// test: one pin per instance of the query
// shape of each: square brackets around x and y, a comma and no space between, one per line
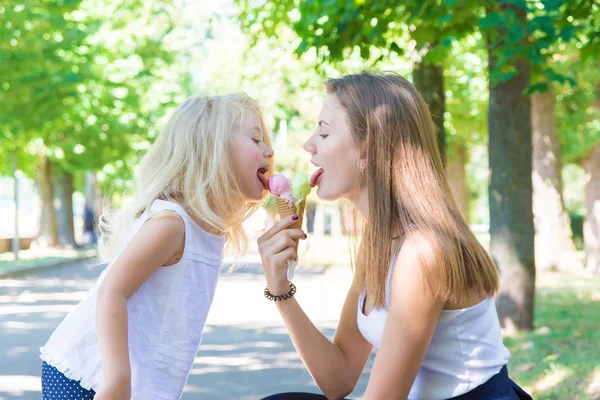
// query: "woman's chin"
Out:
[324,194]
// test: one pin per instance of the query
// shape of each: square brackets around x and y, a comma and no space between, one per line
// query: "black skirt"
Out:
[498,387]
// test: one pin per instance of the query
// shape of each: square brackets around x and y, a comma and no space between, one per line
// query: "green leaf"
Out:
[302,47]
[491,20]
[447,42]
[541,87]
[424,35]
[445,18]
[365,52]
[545,24]
[553,5]
[567,33]
[397,49]
[506,76]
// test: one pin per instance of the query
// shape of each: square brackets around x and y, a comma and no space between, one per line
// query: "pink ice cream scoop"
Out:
[279,185]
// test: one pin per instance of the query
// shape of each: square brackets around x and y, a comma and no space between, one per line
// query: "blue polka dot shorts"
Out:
[56,386]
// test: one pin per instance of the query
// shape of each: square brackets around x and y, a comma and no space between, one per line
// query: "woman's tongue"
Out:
[315,176]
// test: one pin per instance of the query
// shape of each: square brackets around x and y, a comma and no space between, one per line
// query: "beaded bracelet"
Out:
[281,297]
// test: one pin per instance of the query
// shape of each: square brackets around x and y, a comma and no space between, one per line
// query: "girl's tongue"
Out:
[263,180]
[315,176]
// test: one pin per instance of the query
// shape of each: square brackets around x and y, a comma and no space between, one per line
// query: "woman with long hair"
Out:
[423,288]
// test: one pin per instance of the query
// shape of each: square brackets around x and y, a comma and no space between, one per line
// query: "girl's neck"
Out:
[206,226]
[209,228]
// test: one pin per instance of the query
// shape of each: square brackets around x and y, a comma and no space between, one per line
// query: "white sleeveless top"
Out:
[166,317]
[466,349]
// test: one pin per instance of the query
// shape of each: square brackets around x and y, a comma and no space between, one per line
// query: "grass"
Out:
[560,359]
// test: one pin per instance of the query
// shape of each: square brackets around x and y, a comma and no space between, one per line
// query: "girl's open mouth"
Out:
[260,173]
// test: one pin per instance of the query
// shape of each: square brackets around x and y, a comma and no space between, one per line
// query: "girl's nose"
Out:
[268,153]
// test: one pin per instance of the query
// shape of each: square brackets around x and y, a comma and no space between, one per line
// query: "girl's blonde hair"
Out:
[191,164]
[407,186]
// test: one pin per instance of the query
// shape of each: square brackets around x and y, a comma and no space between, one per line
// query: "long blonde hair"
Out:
[191,164]
[406,186]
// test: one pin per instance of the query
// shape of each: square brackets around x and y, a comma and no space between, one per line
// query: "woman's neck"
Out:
[360,202]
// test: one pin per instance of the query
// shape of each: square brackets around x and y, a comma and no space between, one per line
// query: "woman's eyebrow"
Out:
[323,122]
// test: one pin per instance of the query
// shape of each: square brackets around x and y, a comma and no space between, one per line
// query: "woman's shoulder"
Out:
[420,245]
[443,266]
[420,259]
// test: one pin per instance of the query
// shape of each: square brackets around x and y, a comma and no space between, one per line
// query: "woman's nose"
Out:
[309,146]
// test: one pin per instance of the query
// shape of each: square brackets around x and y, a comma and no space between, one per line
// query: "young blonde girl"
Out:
[423,286]
[136,333]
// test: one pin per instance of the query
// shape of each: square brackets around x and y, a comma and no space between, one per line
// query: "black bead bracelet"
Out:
[281,297]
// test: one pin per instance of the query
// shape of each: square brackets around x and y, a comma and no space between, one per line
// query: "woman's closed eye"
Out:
[324,135]
[257,141]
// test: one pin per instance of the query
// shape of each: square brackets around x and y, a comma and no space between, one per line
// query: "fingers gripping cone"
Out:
[286,208]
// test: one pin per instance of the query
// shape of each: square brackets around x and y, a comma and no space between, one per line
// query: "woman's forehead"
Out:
[331,109]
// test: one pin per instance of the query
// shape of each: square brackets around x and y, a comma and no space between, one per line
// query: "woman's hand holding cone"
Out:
[278,245]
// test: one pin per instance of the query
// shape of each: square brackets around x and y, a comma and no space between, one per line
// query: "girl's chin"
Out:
[254,194]
[257,196]
[258,192]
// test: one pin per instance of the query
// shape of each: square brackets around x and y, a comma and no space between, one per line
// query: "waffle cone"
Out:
[286,208]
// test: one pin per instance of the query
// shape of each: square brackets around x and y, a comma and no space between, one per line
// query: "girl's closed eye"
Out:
[324,135]
[257,141]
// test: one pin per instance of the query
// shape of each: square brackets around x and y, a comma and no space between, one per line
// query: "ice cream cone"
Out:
[286,208]
[287,193]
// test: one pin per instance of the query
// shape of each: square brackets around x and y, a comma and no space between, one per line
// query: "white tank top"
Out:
[166,317]
[465,351]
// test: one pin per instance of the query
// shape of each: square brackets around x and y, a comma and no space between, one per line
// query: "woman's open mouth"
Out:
[316,177]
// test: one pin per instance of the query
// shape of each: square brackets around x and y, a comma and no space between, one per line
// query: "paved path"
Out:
[245,354]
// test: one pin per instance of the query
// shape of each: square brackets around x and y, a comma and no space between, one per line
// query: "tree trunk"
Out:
[92,198]
[554,248]
[429,81]
[48,234]
[63,202]
[93,202]
[455,173]
[16,242]
[510,192]
[591,226]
